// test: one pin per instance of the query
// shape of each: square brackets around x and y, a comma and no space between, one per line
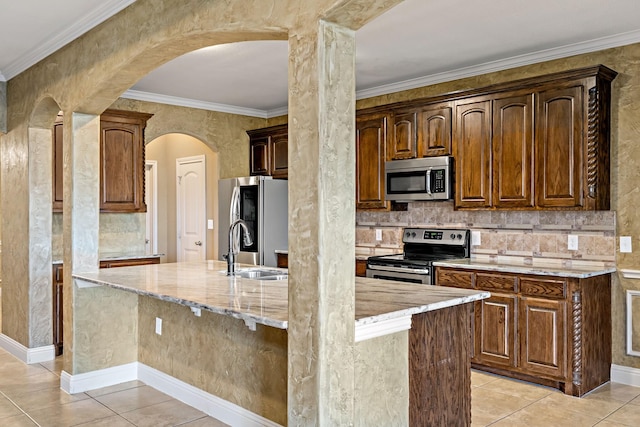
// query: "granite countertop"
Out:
[115,256]
[548,268]
[205,285]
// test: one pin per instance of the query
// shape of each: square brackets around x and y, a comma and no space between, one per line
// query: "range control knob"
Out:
[413,234]
[407,234]
[453,236]
[459,236]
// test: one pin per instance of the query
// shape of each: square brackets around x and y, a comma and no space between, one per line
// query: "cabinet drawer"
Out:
[495,282]
[456,279]
[551,288]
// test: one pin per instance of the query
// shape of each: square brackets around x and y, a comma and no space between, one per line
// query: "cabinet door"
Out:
[558,146]
[280,156]
[541,331]
[57,167]
[472,151]
[121,167]
[403,144]
[512,145]
[371,153]
[434,131]
[259,154]
[495,331]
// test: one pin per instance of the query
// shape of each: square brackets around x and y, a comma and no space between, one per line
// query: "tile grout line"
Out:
[21,410]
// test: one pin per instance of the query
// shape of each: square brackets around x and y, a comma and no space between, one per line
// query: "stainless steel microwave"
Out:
[427,178]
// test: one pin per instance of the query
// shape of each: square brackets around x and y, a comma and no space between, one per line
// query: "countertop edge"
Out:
[525,269]
[250,320]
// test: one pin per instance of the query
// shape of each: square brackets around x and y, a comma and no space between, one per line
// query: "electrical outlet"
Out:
[378,234]
[572,242]
[476,239]
[210,224]
[158,326]
[625,244]
[196,311]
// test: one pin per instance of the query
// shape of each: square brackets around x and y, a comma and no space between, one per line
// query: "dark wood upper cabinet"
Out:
[434,131]
[536,143]
[559,147]
[472,153]
[372,136]
[512,146]
[280,155]
[546,142]
[269,151]
[404,142]
[122,168]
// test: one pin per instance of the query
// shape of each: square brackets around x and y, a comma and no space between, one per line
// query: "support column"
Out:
[26,195]
[321,226]
[81,147]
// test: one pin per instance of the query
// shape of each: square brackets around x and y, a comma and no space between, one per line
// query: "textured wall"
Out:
[218,354]
[224,133]
[382,381]
[109,333]
[222,356]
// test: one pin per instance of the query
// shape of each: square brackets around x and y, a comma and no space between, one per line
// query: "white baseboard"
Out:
[98,379]
[208,403]
[625,375]
[25,354]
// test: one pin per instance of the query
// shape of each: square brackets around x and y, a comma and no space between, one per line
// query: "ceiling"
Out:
[418,42]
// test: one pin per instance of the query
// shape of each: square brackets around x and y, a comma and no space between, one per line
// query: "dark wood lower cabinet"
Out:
[551,330]
[440,367]
[282,261]
[58,294]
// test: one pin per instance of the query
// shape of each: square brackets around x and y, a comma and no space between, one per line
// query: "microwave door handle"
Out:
[428,178]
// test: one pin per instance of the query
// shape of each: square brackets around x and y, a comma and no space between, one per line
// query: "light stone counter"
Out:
[549,268]
[380,304]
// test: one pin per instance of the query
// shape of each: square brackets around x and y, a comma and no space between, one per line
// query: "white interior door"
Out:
[191,208]
[151,200]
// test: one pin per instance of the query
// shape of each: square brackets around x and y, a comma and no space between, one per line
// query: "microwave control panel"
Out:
[438,181]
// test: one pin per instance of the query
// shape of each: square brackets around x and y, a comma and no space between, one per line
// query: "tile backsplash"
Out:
[530,235]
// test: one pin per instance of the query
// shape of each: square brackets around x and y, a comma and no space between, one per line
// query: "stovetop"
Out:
[423,246]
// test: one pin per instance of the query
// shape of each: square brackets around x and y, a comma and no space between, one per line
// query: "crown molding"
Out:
[192,103]
[504,64]
[96,17]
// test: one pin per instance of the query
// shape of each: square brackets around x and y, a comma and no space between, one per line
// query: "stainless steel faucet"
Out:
[231,268]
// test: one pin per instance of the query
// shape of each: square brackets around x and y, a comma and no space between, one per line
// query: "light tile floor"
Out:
[30,395]
[499,401]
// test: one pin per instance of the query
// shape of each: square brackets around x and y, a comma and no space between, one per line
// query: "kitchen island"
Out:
[244,363]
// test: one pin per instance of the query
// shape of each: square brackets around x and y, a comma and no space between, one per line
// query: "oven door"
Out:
[412,275]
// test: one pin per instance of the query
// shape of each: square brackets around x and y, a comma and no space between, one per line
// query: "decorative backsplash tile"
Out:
[526,234]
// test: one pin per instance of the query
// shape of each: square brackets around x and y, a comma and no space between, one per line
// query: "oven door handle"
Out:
[428,183]
[398,269]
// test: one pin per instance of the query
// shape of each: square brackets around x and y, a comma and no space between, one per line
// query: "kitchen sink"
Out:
[260,274]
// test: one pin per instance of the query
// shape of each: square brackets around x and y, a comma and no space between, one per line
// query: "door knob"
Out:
[198,243]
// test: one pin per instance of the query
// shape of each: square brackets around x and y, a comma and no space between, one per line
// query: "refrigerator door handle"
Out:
[234,213]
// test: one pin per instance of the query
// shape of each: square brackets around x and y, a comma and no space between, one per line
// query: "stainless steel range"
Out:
[422,246]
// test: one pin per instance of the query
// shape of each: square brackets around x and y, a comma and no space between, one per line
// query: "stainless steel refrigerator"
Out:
[262,202]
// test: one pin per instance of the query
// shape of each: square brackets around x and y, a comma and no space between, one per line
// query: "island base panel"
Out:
[440,367]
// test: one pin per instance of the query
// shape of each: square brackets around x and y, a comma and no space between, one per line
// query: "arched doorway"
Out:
[165,150]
